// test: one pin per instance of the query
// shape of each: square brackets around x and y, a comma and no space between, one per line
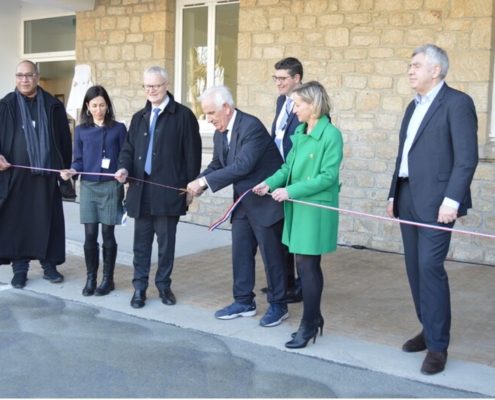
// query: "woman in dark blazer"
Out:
[98,140]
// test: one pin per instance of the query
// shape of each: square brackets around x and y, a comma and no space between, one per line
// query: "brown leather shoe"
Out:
[434,362]
[417,343]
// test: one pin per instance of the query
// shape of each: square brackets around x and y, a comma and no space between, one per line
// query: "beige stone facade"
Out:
[359,49]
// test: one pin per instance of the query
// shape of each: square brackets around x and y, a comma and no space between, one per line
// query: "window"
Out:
[206,49]
[50,37]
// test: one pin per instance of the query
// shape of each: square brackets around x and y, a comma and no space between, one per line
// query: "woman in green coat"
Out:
[310,174]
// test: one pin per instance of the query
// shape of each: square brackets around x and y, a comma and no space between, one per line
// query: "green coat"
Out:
[311,173]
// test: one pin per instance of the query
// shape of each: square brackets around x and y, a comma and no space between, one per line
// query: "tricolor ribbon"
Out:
[227,213]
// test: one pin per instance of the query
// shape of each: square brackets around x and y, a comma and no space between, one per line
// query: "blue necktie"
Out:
[285,117]
[149,156]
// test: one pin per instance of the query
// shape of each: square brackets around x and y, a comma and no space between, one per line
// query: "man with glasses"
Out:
[35,133]
[288,76]
[162,148]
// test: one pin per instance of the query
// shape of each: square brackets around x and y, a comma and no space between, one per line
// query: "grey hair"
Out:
[155,69]
[35,66]
[435,55]
[221,95]
[315,94]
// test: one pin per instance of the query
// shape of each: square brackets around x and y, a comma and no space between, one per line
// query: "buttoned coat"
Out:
[176,158]
[311,173]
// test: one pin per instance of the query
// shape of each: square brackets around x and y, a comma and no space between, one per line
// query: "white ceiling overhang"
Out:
[69,5]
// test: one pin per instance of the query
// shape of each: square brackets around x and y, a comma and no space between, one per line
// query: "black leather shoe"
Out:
[167,297]
[19,280]
[138,299]
[434,362]
[417,343]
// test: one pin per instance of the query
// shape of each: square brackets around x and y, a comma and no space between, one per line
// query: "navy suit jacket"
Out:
[443,156]
[292,124]
[252,157]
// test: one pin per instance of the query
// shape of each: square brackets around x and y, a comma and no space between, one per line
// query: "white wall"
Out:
[10,43]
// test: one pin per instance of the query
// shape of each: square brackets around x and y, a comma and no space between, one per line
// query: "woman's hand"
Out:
[261,189]
[280,195]
[66,174]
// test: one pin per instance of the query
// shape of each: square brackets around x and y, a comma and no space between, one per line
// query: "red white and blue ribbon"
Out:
[226,216]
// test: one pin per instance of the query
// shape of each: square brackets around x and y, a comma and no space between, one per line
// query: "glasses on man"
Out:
[280,78]
[153,87]
[29,76]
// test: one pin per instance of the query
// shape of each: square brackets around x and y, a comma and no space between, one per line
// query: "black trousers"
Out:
[247,236]
[145,229]
[425,251]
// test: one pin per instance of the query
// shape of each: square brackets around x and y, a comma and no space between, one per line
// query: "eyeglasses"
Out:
[27,76]
[153,87]
[280,78]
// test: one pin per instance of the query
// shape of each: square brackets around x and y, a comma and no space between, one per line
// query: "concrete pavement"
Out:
[366,304]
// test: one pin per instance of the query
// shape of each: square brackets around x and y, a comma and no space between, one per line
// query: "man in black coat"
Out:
[163,146]
[35,133]
[437,157]
[243,155]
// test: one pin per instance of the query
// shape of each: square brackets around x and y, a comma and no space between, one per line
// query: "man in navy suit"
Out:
[437,157]
[288,76]
[243,155]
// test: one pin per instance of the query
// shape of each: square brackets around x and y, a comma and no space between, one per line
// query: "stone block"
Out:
[275,23]
[143,51]
[481,34]
[355,82]
[429,17]
[392,37]
[252,20]
[367,100]
[154,22]
[116,37]
[107,23]
[316,7]
[327,20]
[263,38]
[392,103]
[337,37]
[85,29]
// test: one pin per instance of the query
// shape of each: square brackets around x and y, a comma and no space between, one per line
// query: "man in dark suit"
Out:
[437,157]
[288,76]
[244,154]
[163,146]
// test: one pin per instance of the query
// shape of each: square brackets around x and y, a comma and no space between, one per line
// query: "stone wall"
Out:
[359,49]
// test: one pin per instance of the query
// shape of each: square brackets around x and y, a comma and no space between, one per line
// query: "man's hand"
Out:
[66,174]
[446,214]
[4,164]
[280,195]
[121,175]
[390,209]
[261,189]
[189,198]
[195,188]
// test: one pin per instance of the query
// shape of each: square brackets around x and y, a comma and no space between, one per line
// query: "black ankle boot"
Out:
[91,256]
[107,284]
[305,333]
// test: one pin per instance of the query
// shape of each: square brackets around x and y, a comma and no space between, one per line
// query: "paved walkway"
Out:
[366,304]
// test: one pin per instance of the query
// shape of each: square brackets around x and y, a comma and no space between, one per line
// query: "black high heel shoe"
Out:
[305,333]
[319,324]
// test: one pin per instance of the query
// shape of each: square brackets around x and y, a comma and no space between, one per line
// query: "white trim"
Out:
[491,133]
[46,56]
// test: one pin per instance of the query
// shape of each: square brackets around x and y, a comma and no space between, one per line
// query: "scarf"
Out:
[37,140]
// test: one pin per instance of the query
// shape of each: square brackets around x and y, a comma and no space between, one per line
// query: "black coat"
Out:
[176,158]
[31,214]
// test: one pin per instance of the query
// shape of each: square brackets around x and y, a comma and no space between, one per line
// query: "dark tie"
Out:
[225,145]
[149,155]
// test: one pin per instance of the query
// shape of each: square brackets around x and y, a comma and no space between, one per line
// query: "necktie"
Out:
[225,145]
[147,164]
[285,116]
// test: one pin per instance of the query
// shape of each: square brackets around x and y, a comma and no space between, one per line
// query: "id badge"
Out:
[105,163]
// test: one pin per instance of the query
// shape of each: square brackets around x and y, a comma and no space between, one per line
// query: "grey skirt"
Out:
[101,202]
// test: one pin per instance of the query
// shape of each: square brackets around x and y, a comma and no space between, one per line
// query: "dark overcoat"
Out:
[31,214]
[176,158]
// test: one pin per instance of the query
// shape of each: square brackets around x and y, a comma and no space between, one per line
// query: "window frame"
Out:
[205,127]
[66,55]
